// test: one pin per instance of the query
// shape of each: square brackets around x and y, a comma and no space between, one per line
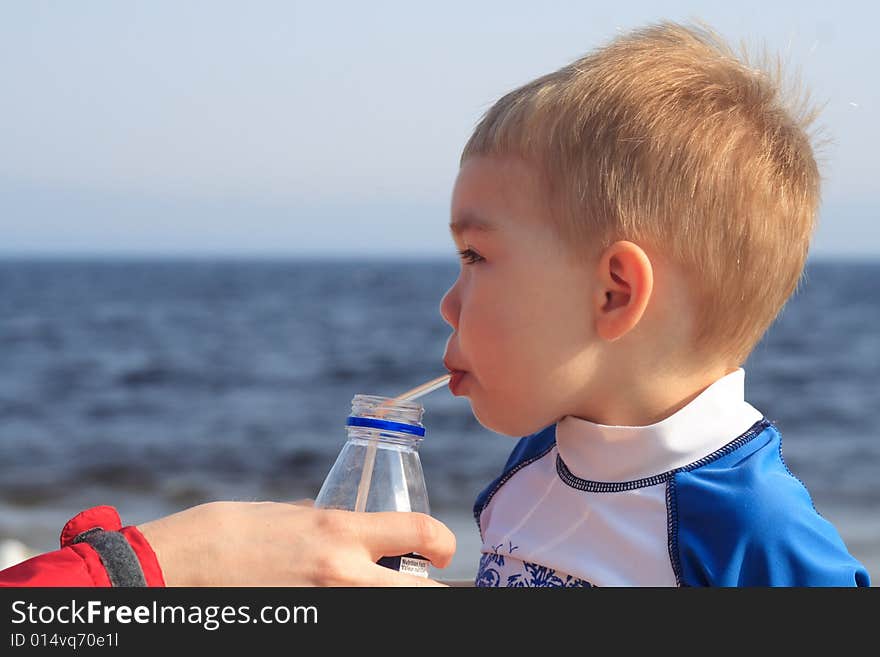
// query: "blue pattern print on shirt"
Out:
[489,577]
[535,575]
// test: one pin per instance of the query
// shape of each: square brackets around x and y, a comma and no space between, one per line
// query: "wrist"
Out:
[163,544]
[181,543]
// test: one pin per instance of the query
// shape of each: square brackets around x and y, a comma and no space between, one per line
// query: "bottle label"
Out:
[411,564]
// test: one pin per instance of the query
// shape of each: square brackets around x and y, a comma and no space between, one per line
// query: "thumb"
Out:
[308,502]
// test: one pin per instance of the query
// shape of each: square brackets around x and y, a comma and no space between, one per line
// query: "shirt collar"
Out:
[600,452]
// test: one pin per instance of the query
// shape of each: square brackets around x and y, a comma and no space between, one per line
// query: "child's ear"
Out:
[625,282]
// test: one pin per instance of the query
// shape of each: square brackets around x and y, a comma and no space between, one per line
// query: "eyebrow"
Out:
[467,220]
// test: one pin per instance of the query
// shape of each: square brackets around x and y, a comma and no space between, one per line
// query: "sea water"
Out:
[153,385]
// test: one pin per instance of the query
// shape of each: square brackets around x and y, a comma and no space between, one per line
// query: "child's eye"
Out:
[470,257]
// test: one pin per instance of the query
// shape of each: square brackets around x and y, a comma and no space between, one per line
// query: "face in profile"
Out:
[522,337]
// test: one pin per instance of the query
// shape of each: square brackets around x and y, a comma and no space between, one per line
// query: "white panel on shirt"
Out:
[621,537]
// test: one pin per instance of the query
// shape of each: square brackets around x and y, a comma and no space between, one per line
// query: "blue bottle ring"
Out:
[373,423]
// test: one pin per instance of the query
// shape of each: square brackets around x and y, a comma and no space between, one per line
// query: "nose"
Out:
[450,306]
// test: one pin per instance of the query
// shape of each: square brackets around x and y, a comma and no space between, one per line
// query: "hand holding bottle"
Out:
[284,544]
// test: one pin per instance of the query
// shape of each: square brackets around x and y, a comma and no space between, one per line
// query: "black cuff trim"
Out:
[117,555]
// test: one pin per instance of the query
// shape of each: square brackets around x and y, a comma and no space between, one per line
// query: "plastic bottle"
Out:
[378,467]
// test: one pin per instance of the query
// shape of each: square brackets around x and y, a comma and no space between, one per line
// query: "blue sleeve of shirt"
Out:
[745,520]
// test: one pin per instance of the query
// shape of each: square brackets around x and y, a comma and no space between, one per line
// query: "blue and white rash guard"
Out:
[702,498]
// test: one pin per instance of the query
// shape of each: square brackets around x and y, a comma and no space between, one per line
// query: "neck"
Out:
[632,449]
[646,398]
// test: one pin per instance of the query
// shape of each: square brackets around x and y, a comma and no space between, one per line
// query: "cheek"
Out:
[532,355]
[504,346]
[488,322]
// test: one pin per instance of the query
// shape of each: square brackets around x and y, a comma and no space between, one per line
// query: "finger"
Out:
[390,533]
[382,576]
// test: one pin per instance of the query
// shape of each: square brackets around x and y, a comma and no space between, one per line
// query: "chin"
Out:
[504,424]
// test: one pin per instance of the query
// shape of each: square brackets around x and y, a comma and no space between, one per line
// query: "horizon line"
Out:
[307,255]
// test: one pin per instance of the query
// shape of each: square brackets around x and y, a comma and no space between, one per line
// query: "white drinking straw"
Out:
[424,389]
[367,473]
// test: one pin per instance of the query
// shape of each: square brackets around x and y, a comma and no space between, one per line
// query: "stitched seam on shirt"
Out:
[506,477]
[795,477]
[605,486]
[672,529]
[756,430]
[619,486]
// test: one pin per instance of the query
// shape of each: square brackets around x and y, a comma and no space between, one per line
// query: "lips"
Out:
[456,378]
[455,382]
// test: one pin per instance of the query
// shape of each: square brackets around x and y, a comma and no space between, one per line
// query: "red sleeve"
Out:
[77,564]
[145,554]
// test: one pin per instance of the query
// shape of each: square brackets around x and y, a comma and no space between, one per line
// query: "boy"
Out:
[629,227]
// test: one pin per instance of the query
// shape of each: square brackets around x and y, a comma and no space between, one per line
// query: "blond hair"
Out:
[664,137]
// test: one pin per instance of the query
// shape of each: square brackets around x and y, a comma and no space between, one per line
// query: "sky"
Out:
[335,128]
